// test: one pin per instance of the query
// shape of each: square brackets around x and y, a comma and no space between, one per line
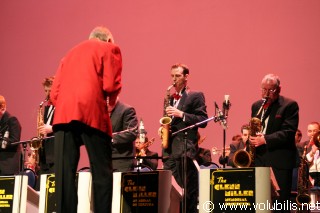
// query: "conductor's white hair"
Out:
[101,33]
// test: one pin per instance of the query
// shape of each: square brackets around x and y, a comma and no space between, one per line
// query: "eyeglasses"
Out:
[271,91]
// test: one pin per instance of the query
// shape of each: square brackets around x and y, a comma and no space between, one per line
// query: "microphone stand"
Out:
[223,116]
[28,141]
[127,130]
[224,148]
[184,165]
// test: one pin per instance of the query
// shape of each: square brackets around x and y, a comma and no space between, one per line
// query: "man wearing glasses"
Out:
[275,145]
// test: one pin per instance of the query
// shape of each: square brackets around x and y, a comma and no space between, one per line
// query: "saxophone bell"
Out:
[246,158]
[303,197]
[165,131]
[316,139]
[242,159]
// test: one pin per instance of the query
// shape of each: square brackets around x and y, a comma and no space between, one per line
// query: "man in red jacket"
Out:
[88,74]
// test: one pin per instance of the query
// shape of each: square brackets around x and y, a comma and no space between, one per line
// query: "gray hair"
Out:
[271,77]
[101,33]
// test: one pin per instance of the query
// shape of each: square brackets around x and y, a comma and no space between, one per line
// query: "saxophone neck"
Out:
[44,101]
[264,101]
[170,87]
[167,99]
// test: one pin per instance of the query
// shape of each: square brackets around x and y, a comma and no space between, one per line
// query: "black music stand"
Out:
[222,117]
[184,165]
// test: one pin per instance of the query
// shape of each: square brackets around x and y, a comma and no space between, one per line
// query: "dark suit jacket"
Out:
[192,103]
[123,117]
[151,163]
[10,157]
[234,147]
[280,151]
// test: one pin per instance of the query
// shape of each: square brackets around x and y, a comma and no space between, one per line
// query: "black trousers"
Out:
[191,172]
[284,179]
[68,139]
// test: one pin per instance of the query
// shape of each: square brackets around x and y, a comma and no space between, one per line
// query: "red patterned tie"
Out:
[176,96]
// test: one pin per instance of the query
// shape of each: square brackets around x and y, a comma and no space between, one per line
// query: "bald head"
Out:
[2,103]
[101,33]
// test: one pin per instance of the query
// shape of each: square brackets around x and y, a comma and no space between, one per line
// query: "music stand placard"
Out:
[47,194]
[13,193]
[234,189]
[6,193]
[139,192]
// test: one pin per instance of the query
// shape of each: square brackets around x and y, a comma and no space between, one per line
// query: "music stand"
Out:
[184,164]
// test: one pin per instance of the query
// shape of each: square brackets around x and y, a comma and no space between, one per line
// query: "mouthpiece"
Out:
[172,85]
[264,100]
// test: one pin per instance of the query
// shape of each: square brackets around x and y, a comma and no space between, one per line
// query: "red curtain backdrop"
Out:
[228,45]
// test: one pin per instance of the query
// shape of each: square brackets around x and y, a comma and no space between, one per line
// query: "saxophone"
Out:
[165,121]
[36,142]
[242,158]
[303,197]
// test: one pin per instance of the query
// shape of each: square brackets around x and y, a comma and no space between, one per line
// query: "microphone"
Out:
[5,140]
[142,132]
[226,105]
[221,117]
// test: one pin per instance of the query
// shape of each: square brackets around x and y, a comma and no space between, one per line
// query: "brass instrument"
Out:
[316,139]
[145,145]
[165,121]
[36,142]
[243,158]
[303,197]
[216,151]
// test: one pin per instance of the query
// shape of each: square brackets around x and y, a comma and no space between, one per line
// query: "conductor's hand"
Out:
[172,111]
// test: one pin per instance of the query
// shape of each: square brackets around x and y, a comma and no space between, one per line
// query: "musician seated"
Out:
[142,150]
[31,169]
[313,157]
[204,159]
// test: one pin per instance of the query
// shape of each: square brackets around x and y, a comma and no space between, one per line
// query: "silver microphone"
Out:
[226,105]
[5,140]
[221,117]
[142,132]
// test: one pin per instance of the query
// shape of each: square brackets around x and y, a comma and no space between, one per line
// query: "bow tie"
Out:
[266,105]
[176,96]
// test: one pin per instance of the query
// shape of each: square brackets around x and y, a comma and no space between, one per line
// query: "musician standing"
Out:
[46,152]
[88,75]
[186,108]
[10,131]
[123,117]
[275,146]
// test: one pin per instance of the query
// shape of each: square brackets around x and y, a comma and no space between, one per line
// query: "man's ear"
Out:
[279,89]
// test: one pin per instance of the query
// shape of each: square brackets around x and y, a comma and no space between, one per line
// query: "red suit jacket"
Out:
[89,73]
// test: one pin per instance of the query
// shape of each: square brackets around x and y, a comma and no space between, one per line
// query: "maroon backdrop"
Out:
[228,45]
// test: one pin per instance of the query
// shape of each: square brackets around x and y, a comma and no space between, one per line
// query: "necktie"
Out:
[176,96]
[247,146]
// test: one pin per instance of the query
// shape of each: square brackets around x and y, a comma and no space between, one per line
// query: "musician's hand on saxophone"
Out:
[172,111]
[313,151]
[45,129]
[257,140]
